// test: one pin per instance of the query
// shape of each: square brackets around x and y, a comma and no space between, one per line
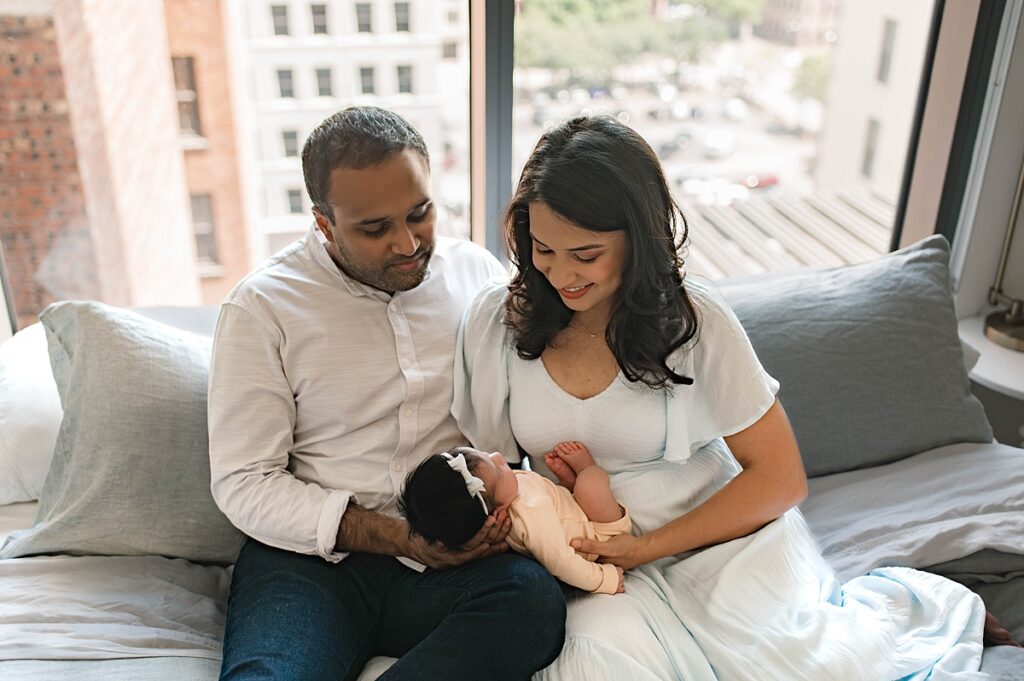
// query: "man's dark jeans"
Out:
[300,618]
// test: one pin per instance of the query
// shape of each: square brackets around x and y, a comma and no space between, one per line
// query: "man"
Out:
[331,379]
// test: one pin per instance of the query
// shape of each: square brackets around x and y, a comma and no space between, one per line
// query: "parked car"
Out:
[759,181]
[718,144]
[674,145]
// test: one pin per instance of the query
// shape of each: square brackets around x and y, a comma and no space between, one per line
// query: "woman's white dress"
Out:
[765,606]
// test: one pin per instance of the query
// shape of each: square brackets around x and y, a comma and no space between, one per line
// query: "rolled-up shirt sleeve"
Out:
[251,422]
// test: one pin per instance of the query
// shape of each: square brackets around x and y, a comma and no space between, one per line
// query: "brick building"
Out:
[94,200]
[204,89]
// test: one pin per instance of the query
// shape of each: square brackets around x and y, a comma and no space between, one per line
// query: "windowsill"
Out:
[998,368]
[210,270]
[190,142]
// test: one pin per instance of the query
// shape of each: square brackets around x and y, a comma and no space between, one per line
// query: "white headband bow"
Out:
[474,485]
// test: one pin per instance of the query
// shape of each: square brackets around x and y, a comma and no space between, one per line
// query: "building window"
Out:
[294,201]
[202,225]
[366,80]
[888,41]
[291,143]
[185,91]
[402,17]
[867,167]
[279,13]
[319,19]
[364,18]
[449,50]
[323,83]
[284,82]
[405,79]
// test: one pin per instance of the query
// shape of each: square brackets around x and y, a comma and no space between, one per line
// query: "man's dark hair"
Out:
[355,137]
[437,505]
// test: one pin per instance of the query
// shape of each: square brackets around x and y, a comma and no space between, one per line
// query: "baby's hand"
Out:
[622,580]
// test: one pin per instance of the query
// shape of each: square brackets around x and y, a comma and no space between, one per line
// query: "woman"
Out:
[598,339]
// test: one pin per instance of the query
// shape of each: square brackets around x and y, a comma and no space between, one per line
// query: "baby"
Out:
[448,497]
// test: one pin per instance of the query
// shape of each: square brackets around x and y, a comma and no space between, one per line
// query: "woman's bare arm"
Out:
[771,483]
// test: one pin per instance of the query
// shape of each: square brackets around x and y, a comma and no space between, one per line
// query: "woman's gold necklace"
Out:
[583,329]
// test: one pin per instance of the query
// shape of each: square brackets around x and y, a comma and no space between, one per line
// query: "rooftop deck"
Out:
[777,231]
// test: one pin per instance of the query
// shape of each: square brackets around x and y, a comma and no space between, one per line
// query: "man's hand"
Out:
[487,542]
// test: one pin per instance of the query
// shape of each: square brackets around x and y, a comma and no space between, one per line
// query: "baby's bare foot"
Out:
[563,471]
[575,454]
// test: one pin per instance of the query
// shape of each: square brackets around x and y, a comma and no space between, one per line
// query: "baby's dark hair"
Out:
[437,505]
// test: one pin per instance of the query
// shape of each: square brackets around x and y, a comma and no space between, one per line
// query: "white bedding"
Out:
[98,607]
[920,511]
[16,517]
[911,512]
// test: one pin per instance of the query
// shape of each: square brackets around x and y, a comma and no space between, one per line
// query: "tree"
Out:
[588,38]
[812,77]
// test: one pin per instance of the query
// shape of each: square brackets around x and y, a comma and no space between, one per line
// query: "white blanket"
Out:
[763,607]
[937,506]
[97,608]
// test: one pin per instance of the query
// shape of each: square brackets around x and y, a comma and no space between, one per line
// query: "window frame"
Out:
[286,135]
[321,72]
[291,194]
[871,137]
[369,17]
[286,20]
[888,48]
[370,71]
[408,17]
[291,84]
[187,95]
[210,233]
[314,16]
[403,86]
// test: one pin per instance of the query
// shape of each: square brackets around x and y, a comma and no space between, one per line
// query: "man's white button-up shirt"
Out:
[324,390]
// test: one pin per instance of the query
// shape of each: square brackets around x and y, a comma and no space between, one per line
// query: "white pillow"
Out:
[30,415]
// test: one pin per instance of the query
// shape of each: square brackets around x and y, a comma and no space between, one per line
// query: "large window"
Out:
[757,111]
[783,131]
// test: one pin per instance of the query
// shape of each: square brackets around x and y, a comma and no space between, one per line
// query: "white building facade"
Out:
[303,60]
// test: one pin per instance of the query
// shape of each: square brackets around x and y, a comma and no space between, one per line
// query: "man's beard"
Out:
[387,278]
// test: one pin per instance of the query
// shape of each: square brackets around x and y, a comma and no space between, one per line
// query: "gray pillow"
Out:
[868,357]
[130,473]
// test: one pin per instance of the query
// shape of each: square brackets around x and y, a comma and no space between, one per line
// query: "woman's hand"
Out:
[624,550]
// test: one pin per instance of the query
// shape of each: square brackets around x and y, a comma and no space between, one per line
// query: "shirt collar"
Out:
[316,243]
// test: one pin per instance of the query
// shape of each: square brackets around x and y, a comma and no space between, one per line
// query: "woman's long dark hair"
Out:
[601,175]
